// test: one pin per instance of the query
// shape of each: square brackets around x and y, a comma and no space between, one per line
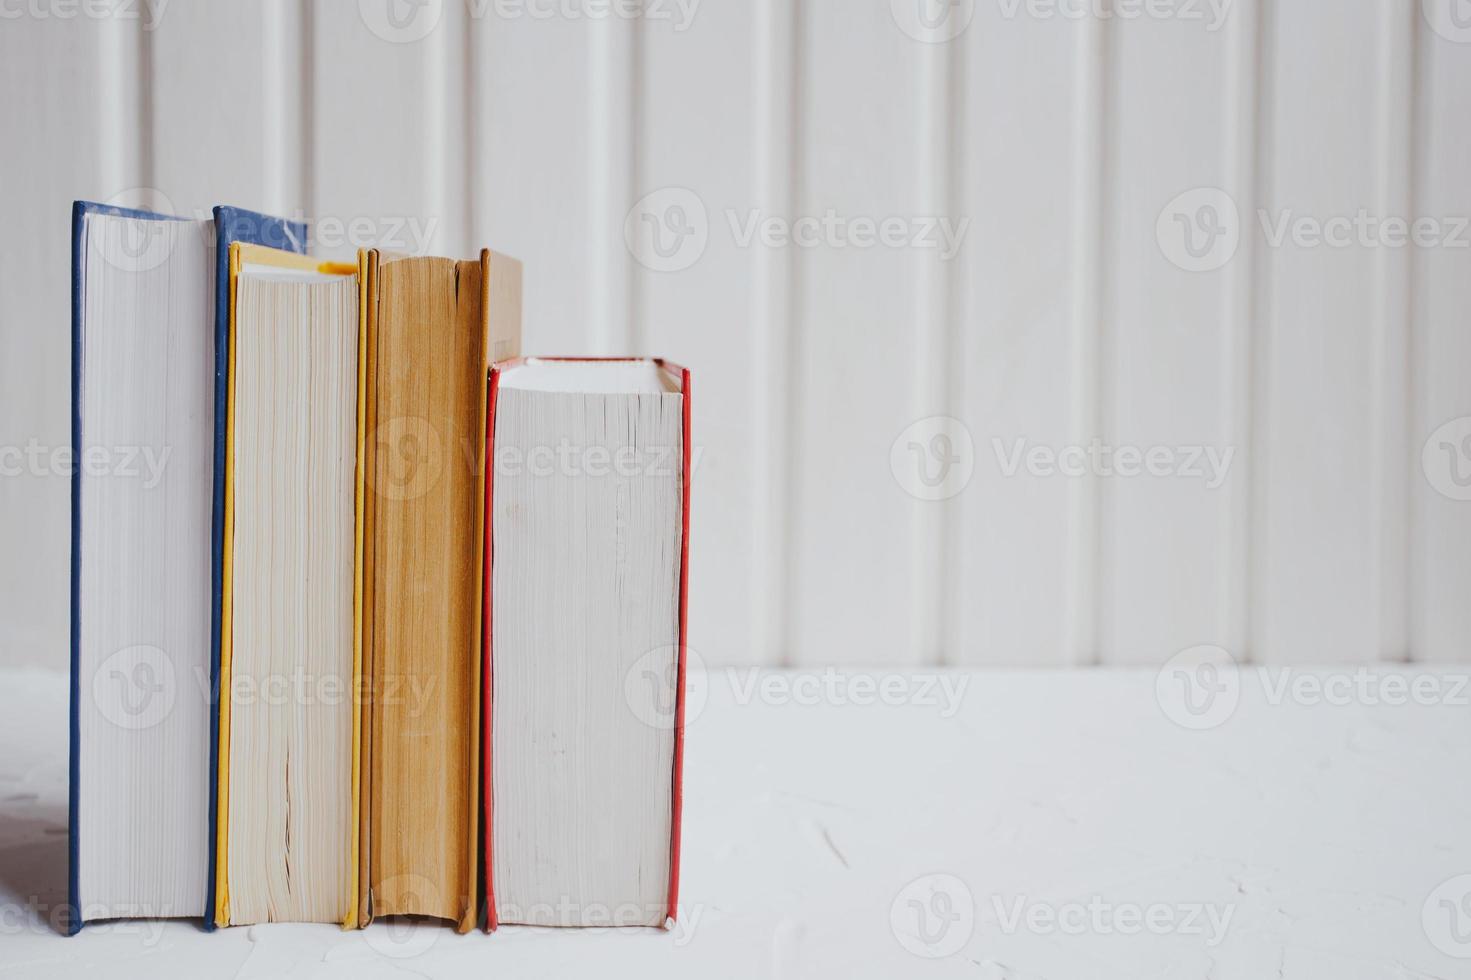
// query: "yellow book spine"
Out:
[221,910]
[350,919]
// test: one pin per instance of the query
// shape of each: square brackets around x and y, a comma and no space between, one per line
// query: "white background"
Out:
[1061,136]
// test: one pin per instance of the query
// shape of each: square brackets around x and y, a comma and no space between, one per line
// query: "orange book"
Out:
[430,326]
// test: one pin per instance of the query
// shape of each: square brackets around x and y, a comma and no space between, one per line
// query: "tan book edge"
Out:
[430,327]
[362,684]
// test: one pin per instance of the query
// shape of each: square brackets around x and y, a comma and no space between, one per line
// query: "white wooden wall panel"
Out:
[1016,337]
[534,168]
[1316,597]
[385,141]
[704,315]
[858,96]
[69,127]
[203,151]
[1060,320]
[1440,575]
[1163,564]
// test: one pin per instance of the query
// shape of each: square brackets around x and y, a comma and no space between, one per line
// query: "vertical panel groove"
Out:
[1259,475]
[1243,137]
[638,333]
[114,155]
[931,575]
[952,371]
[274,156]
[773,399]
[311,111]
[436,155]
[1090,178]
[471,204]
[1390,447]
[612,81]
[147,152]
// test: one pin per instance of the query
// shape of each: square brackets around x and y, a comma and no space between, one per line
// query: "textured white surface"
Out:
[1321,829]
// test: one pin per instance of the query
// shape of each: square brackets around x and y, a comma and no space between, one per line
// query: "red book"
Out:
[586,585]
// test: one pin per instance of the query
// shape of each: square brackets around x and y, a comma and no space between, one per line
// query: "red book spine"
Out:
[684,582]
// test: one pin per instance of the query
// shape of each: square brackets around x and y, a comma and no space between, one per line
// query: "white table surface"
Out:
[1327,832]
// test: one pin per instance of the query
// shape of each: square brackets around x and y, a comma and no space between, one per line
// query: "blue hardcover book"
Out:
[147,372]
[231,225]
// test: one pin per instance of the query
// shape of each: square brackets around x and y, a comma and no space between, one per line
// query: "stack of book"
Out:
[396,626]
